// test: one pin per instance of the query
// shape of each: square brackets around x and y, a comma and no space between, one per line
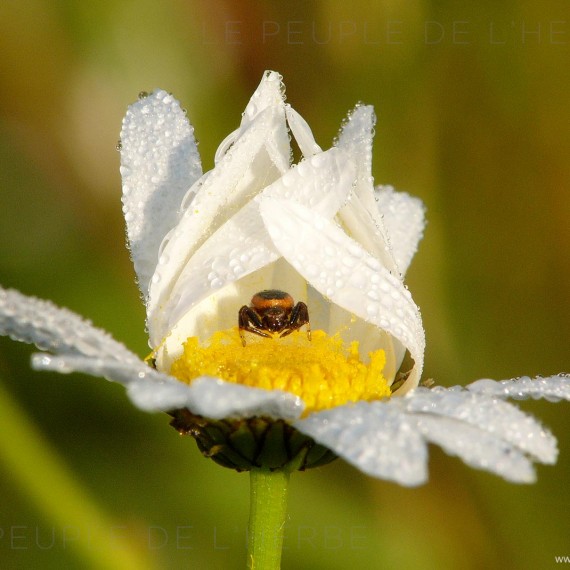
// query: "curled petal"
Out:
[242,172]
[269,93]
[355,137]
[404,220]
[159,163]
[368,232]
[552,388]
[376,438]
[242,246]
[361,217]
[302,132]
[213,398]
[342,271]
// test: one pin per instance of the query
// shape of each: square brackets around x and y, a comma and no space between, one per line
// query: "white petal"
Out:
[404,220]
[347,274]
[368,231]
[302,132]
[241,246]
[249,158]
[121,372]
[213,398]
[159,394]
[224,146]
[387,438]
[153,391]
[269,93]
[360,216]
[159,163]
[552,388]
[61,331]
[491,416]
[361,220]
[356,138]
[477,449]
[242,172]
[377,438]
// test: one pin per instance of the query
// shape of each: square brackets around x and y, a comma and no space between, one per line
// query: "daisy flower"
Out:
[319,247]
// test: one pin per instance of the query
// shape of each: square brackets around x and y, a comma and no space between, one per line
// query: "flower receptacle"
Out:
[253,443]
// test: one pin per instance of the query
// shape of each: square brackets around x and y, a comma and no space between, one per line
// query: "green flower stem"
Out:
[268,509]
[43,477]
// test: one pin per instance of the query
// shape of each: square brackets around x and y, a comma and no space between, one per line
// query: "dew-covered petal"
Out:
[376,438]
[368,232]
[404,220]
[352,278]
[236,250]
[213,398]
[492,416]
[34,321]
[360,217]
[242,246]
[242,172]
[551,388]
[302,132]
[159,163]
[269,93]
[485,432]
[355,137]
[113,370]
[477,448]
[153,391]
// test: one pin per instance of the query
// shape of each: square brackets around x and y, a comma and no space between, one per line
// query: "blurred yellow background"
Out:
[473,106]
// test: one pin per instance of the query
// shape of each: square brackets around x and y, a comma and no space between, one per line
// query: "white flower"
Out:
[203,244]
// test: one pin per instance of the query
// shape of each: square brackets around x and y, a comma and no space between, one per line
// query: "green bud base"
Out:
[252,443]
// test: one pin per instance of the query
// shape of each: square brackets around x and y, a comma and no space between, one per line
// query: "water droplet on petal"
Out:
[358,279]
[372,309]
[349,261]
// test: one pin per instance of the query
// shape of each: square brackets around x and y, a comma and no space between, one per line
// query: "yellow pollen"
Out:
[323,372]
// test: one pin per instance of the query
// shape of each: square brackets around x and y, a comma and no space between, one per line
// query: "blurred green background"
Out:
[473,117]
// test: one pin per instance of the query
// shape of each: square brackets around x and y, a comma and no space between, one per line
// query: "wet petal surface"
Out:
[159,163]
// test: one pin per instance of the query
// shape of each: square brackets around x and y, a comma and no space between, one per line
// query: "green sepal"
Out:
[273,454]
[252,443]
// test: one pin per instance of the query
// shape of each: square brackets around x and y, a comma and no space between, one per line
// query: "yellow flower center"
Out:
[323,372]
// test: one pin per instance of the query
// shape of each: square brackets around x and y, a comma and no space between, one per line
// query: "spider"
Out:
[273,312]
